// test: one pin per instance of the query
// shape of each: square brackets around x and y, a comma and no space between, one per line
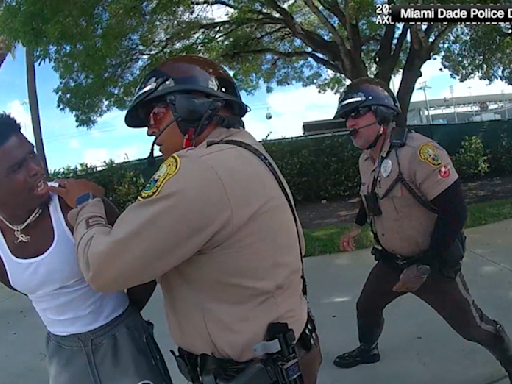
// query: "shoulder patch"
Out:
[167,170]
[428,153]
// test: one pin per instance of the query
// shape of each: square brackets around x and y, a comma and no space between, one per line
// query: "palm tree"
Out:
[34,107]
[3,56]
[5,50]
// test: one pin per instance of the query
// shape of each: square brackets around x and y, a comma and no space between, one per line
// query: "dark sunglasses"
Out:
[356,114]
[154,114]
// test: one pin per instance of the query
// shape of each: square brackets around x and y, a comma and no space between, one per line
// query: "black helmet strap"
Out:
[377,138]
[193,114]
[384,117]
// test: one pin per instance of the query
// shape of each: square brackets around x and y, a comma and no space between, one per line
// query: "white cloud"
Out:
[474,86]
[217,12]
[429,70]
[290,109]
[477,87]
[20,111]
[74,143]
[128,153]
[97,156]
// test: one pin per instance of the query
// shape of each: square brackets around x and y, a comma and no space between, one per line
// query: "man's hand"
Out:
[71,189]
[412,278]
[347,240]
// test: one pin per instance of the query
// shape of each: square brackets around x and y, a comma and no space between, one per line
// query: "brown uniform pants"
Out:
[450,298]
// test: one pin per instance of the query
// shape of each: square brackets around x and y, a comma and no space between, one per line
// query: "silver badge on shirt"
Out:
[386,167]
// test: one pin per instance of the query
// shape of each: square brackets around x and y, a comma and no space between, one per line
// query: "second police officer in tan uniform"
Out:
[412,199]
[217,227]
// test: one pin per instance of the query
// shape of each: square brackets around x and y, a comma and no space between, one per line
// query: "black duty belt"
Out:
[207,369]
[386,256]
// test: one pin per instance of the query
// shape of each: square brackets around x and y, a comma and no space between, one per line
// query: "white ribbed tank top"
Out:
[55,285]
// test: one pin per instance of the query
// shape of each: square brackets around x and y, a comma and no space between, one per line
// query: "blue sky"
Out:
[65,144]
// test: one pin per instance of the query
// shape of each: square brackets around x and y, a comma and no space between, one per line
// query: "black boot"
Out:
[502,350]
[364,354]
[368,332]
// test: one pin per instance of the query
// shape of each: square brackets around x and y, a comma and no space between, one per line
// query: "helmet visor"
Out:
[189,73]
[349,105]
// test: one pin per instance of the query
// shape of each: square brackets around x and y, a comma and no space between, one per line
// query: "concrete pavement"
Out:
[416,345]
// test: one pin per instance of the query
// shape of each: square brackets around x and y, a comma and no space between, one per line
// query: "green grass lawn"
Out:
[323,241]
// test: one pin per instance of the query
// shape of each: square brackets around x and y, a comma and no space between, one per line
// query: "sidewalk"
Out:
[416,346]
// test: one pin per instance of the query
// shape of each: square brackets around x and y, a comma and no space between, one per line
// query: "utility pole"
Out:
[505,103]
[424,88]
[453,103]
[472,101]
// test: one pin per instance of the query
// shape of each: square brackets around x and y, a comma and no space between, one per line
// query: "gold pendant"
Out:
[21,237]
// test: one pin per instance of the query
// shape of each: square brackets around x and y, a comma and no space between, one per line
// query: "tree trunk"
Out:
[3,56]
[34,107]
[410,75]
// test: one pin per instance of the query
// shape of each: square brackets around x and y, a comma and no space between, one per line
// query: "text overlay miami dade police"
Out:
[451,13]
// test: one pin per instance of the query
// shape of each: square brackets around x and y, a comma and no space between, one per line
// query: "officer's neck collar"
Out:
[220,133]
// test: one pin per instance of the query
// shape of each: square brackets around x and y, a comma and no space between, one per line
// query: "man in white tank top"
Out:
[93,337]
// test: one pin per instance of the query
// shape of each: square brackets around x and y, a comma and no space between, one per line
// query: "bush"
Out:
[121,182]
[319,168]
[316,168]
[500,156]
[471,161]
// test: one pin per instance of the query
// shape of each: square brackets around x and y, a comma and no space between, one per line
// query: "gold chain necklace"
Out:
[18,228]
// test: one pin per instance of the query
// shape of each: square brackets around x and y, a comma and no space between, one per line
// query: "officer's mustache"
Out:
[355,130]
[151,158]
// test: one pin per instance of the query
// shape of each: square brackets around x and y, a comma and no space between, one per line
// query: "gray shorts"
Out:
[123,351]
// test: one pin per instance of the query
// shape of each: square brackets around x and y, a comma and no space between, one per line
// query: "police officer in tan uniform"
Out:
[412,199]
[216,226]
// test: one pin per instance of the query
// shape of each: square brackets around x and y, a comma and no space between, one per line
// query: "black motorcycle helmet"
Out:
[184,75]
[368,94]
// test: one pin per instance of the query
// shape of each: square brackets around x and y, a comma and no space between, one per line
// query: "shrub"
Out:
[319,168]
[500,156]
[471,161]
[316,168]
[122,184]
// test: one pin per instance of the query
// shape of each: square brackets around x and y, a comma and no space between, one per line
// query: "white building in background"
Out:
[448,110]
[451,110]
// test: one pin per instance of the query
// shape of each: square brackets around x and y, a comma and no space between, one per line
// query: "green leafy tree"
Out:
[99,48]
[483,50]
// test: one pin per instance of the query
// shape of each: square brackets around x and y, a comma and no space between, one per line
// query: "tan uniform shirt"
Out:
[405,226]
[216,231]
